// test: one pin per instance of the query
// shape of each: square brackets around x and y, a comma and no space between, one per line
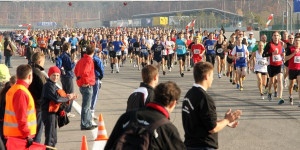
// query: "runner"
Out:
[136,47]
[230,65]
[157,50]
[57,47]
[273,50]
[293,55]
[251,44]
[209,46]
[240,55]
[171,52]
[74,44]
[219,47]
[197,50]
[286,63]
[144,53]
[260,68]
[104,49]
[181,52]
[118,52]
[124,49]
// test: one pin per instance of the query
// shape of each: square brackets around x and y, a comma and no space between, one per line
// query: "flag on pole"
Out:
[269,20]
[191,24]
[117,31]
[25,25]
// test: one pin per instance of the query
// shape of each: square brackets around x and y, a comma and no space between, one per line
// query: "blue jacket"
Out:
[99,69]
[68,65]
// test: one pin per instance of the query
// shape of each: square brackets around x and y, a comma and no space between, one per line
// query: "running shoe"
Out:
[227,74]
[188,69]
[224,74]
[170,69]
[164,73]
[291,101]
[237,86]
[296,88]
[262,96]
[275,94]
[233,82]
[117,71]
[112,71]
[265,90]
[230,80]
[270,96]
[244,78]
[219,75]
[182,74]
[281,101]
[241,88]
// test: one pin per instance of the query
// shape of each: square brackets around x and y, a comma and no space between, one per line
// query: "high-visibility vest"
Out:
[10,125]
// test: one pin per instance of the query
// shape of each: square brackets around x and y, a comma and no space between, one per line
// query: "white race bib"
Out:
[180,47]
[73,47]
[196,51]
[42,42]
[144,50]
[260,62]
[105,49]
[219,50]
[210,47]
[137,49]
[277,58]
[26,43]
[52,47]
[118,53]
[57,47]
[84,49]
[297,59]
[240,54]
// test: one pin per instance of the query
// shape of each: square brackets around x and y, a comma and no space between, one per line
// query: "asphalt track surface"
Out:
[264,125]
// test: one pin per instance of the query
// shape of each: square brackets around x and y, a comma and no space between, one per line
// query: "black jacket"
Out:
[50,94]
[36,87]
[168,136]
[136,99]
[198,118]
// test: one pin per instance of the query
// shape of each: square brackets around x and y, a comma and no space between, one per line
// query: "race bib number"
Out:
[297,59]
[73,47]
[196,51]
[210,47]
[118,53]
[240,54]
[26,43]
[276,58]
[52,47]
[219,50]
[57,47]
[105,49]
[84,49]
[144,51]
[260,62]
[137,49]
[180,47]
[42,42]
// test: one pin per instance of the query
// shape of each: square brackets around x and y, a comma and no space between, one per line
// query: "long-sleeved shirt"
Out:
[20,104]
[68,65]
[99,69]
[85,71]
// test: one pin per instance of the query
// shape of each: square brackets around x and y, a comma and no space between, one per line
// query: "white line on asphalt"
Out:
[97,145]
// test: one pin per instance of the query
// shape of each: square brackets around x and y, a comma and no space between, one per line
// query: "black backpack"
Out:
[138,99]
[137,134]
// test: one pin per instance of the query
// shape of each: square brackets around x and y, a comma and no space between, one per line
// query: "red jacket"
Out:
[84,71]
[20,102]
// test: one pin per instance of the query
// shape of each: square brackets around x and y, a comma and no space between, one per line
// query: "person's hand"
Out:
[29,142]
[297,50]
[232,116]
[233,124]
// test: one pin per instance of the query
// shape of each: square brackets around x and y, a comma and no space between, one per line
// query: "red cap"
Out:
[52,70]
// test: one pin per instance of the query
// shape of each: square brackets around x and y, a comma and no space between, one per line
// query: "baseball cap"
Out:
[250,33]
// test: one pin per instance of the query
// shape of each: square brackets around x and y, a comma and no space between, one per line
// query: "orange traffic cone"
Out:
[102,134]
[84,143]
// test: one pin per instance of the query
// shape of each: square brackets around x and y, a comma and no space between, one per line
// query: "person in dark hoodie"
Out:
[51,96]
[35,88]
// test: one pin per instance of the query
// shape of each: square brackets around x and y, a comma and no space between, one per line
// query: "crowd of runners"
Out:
[275,63]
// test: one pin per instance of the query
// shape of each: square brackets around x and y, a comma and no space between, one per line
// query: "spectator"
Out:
[8,51]
[36,87]
[99,73]
[67,75]
[4,75]
[199,116]
[166,96]
[85,78]
[145,93]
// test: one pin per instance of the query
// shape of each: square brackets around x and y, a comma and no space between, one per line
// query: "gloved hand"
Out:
[29,142]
